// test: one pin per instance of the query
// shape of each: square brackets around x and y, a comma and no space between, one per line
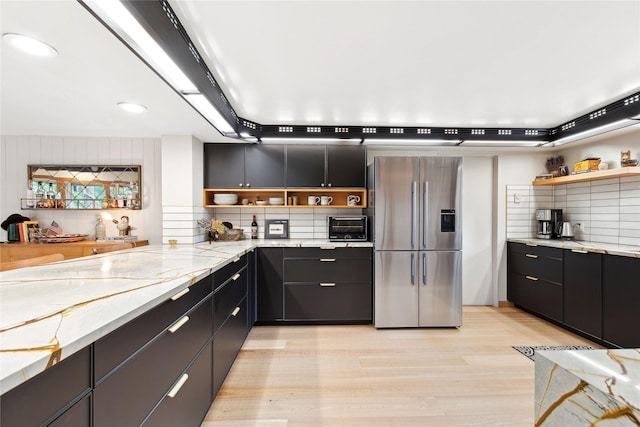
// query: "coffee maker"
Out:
[549,223]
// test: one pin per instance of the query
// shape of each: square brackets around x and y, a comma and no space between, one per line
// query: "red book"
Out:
[21,231]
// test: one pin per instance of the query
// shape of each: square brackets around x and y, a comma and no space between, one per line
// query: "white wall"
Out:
[19,151]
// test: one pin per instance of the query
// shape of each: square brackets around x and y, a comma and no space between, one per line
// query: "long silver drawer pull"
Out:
[176,388]
[236,276]
[327,259]
[535,279]
[330,248]
[236,260]
[531,244]
[327,284]
[173,329]
[235,311]
[579,251]
[531,256]
[180,294]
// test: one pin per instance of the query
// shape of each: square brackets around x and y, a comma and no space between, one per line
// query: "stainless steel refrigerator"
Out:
[414,210]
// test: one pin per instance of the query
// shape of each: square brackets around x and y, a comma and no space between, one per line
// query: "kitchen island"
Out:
[51,312]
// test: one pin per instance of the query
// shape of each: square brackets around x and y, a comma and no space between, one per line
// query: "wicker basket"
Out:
[229,236]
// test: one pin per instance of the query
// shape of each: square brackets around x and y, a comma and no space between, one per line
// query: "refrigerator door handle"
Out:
[424,269]
[425,215]
[414,213]
[413,269]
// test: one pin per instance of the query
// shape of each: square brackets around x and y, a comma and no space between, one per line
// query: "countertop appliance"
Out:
[347,228]
[549,223]
[414,211]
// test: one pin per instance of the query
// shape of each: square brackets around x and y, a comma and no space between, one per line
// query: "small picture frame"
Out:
[276,229]
[32,230]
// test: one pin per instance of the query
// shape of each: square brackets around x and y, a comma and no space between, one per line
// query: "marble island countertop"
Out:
[49,312]
[587,387]
[603,248]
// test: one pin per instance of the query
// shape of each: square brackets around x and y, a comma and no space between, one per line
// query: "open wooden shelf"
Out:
[339,197]
[590,176]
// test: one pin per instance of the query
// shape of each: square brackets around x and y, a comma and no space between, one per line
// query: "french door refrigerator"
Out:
[415,218]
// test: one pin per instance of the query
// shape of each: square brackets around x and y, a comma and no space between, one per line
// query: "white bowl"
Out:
[225,199]
[261,202]
[276,201]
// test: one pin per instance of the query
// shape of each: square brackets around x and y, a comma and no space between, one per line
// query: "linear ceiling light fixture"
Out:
[502,143]
[592,132]
[116,15]
[311,140]
[131,107]
[30,45]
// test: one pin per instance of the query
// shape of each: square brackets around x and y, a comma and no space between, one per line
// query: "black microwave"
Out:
[348,228]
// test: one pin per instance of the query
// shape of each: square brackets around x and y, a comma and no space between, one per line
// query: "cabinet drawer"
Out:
[356,270]
[113,349]
[228,271]
[543,251]
[127,395]
[227,343]
[190,404]
[327,253]
[227,298]
[43,396]
[351,301]
[544,268]
[539,296]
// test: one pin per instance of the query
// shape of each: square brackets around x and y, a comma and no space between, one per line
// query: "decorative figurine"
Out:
[123,226]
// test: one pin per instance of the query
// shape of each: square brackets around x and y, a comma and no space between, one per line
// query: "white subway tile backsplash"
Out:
[608,210]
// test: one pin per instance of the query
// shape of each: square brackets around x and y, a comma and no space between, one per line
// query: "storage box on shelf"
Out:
[253,196]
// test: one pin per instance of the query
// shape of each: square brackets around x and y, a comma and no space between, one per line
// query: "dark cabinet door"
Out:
[269,284]
[264,166]
[227,343]
[620,294]
[251,283]
[305,166]
[224,166]
[79,415]
[190,404]
[583,292]
[42,397]
[346,166]
[339,302]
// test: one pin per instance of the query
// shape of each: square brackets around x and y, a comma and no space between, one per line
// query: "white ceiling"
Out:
[413,63]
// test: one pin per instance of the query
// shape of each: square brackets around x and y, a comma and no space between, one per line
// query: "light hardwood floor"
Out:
[361,376]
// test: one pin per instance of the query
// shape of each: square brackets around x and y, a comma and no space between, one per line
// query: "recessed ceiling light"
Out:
[132,108]
[30,45]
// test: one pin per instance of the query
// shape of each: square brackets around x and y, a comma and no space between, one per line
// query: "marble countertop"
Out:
[603,248]
[584,387]
[49,312]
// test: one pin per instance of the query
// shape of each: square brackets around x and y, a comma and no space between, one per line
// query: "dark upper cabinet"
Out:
[583,292]
[244,166]
[223,165]
[305,166]
[264,166]
[326,166]
[346,166]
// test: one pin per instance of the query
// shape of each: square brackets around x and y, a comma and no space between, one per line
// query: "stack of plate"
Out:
[225,199]
[276,201]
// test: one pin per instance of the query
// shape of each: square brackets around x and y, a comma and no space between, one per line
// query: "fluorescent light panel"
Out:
[310,140]
[202,104]
[592,132]
[131,107]
[403,141]
[503,143]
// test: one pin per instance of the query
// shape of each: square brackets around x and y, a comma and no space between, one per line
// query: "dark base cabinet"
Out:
[269,284]
[620,297]
[228,342]
[190,404]
[342,302]
[583,292]
[50,396]
[534,279]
